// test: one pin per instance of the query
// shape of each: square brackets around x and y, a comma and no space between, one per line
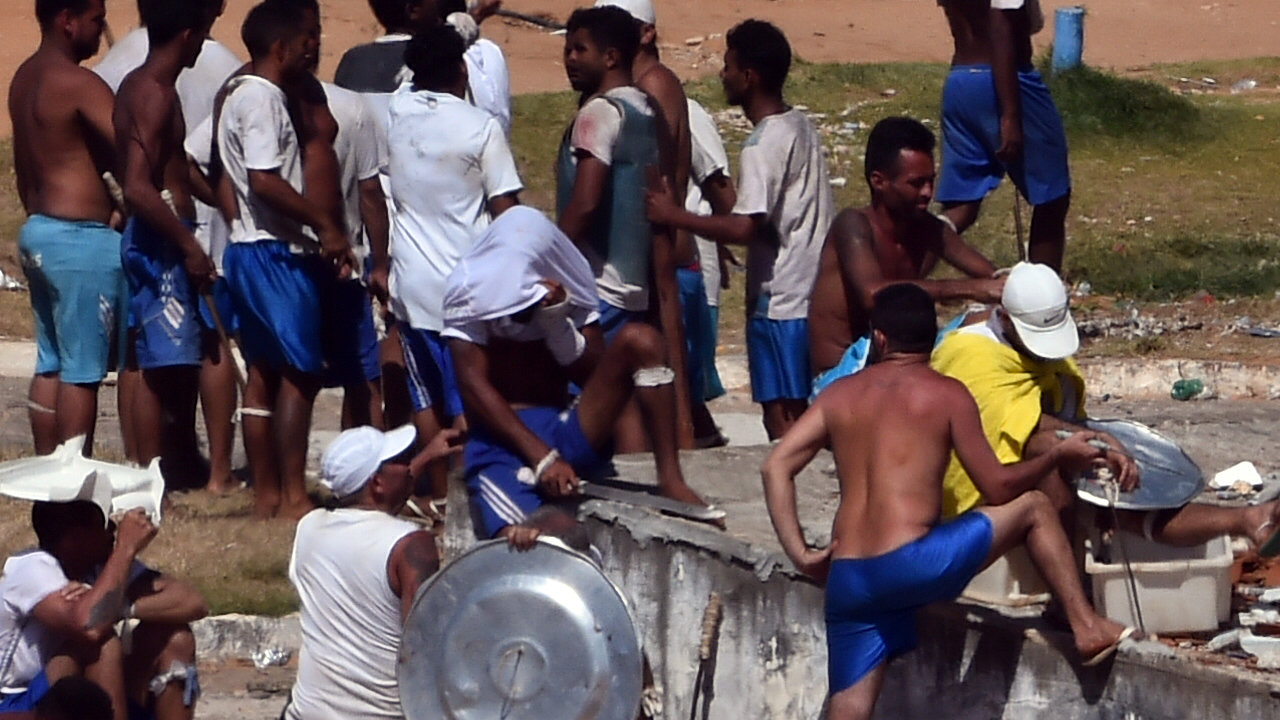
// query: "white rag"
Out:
[503,272]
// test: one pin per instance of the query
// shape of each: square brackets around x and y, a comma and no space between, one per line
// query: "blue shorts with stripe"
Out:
[429,367]
[277,301]
[497,497]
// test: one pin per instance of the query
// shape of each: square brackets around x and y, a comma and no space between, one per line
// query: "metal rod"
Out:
[543,22]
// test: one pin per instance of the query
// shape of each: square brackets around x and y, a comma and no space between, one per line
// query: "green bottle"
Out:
[1186,389]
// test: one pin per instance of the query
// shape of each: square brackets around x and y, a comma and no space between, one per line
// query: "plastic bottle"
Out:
[1186,389]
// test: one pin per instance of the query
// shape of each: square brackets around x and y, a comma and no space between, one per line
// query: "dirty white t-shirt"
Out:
[447,159]
[784,177]
[708,159]
[255,132]
[26,647]
[358,156]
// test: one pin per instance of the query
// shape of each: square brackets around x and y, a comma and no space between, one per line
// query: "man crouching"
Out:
[60,602]
[892,428]
[522,321]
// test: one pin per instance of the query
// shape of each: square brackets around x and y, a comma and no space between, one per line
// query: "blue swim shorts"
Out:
[429,367]
[613,319]
[226,310]
[349,337]
[162,301]
[698,330]
[971,136]
[277,302]
[872,602]
[26,700]
[777,356]
[78,293]
[715,388]
[851,362]
[497,497]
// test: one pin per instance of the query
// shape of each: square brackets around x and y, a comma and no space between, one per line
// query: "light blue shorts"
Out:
[78,295]
[777,356]
[971,136]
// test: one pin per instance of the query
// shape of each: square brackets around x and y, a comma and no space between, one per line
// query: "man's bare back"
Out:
[970,24]
[150,107]
[62,136]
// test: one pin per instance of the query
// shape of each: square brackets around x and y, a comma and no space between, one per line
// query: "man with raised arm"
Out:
[894,239]
[165,264]
[893,428]
[783,211]
[63,142]
[522,321]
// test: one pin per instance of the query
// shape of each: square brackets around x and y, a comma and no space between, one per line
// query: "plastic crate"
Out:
[1012,581]
[1179,589]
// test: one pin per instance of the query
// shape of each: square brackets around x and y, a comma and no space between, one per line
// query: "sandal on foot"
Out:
[1106,652]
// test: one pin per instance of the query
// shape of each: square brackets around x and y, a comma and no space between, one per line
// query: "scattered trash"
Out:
[1082,289]
[1270,595]
[1244,473]
[1186,389]
[839,182]
[1208,81]
[1266,649]
[1135,325]
[1244,85]
[264,658]
[1226,640]
[888,92]
[8,282]
[696,40]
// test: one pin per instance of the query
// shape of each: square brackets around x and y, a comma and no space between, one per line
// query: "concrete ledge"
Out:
[240,637]
[1135,378]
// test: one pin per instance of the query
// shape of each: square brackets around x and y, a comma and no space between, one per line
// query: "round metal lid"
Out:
[1169,479]
[532,635]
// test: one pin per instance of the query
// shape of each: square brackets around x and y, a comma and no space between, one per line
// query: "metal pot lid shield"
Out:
[1168,477]
[520,635]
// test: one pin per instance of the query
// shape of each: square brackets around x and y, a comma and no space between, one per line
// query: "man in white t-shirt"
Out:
[274,259]
[783,211]
[197,88]
[451,172]
[59,604]
[357,567]
[522,320]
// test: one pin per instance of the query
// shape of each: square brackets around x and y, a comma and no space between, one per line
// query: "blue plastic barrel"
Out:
[1068,37]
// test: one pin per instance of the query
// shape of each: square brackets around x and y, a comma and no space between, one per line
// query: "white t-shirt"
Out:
[489,81]
[26,646]
[708,159]
[351,625]
[211,229]
[1034,14]
[784,178]
[447,159]
[358,157]
[256,133]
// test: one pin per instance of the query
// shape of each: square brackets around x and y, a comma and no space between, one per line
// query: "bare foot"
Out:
[1262,522]
[222,486]
[265,504]
[1099,636]
[683,493]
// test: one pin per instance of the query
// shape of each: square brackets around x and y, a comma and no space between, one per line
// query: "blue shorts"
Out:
[497,497]
[26,700]
[277,301]
[78,293]
[349,337]
[971,136]
[613,319]
[715,388]
[429,367]
[226,311]
[872,602]
[852,361]
[697,328]
[777,356]
[162,302]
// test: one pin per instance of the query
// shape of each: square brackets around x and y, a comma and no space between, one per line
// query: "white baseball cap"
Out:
[1036,302]
[355,455]
[641,10]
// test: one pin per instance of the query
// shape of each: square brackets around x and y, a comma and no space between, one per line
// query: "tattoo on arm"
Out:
[106,610]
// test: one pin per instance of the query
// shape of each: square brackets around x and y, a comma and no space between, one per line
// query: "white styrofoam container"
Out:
[1012,581]
[1179,589]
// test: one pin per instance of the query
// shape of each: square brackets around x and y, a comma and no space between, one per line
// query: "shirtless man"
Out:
[894,239]
[62,143]
[893,427]
[164,262]
[522,321]
[998,118]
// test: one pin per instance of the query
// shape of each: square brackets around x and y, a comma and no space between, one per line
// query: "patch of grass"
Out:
[1109,106]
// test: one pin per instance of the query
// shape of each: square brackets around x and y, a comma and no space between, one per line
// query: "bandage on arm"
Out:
[562,337]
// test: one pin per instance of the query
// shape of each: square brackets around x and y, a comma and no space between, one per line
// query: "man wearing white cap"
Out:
[1018,367]
[356,567]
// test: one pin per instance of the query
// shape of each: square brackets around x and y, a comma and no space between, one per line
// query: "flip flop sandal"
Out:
[1099,657]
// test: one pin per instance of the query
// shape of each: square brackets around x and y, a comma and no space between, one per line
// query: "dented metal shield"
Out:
[521,635]
[1168,477]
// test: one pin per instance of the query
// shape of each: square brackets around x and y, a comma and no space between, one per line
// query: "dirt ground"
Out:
[1120,34]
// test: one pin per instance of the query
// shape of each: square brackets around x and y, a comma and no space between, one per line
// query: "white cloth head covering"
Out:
[355,455]
[66,475]
[502,273]
[641,10]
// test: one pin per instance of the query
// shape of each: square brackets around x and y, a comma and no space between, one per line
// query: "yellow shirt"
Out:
[1010,390]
